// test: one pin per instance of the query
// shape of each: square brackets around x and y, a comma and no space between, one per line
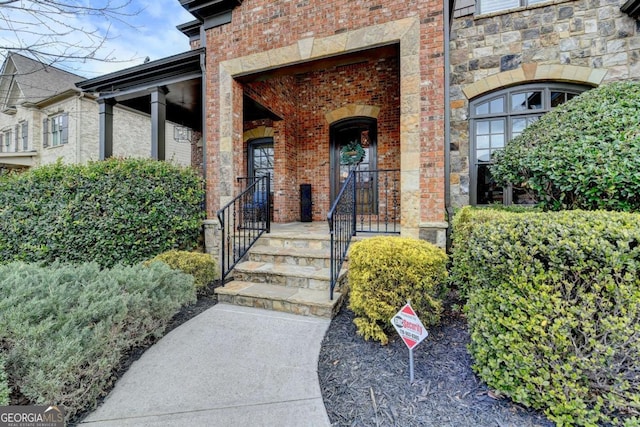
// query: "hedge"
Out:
[554,309]
[67,327]
[584,154]
[385,272]
[109,212]
[4,386]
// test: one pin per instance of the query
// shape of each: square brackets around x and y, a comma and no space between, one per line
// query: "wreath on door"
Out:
[351,154]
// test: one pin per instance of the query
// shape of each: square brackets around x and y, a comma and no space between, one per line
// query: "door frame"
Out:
[251,146]
[344,126]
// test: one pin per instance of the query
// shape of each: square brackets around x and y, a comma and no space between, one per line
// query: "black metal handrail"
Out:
[368,202]
[377,205]
[243,220]
[342,227]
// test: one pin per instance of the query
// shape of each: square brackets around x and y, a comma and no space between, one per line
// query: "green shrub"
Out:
[554,310]
[584,154]
[385,272]
[464,223]
[4,387]
[201,266]
[110,212]
[66,328]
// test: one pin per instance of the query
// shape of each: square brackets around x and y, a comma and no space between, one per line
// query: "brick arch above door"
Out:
[258,132]
[533,72]
[352,110]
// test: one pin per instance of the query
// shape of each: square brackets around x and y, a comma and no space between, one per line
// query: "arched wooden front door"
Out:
[363,131]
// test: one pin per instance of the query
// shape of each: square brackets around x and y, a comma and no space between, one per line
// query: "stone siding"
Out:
[584,41]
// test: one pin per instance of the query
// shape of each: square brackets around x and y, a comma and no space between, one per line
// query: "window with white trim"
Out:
[55,130]
[497,118]
[6,139]
[490,6]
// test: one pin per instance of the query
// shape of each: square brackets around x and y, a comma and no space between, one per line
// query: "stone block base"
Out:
[434,232]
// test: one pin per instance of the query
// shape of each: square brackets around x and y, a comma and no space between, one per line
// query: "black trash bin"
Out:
[305,203]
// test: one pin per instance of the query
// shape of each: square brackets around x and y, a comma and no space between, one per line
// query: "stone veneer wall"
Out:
[583,41]
[266,35]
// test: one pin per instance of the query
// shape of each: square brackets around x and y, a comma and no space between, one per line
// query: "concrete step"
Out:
[295,241]
[307,302]
[287,270]
[291,256]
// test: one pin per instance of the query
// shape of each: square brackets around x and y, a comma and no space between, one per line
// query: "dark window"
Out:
[495,120]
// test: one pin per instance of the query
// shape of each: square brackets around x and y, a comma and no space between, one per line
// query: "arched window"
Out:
[497,118]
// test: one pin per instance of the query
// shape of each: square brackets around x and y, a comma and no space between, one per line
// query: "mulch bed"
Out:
[366,384]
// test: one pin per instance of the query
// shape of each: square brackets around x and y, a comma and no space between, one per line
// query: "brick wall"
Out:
[263,26]
[560,41]
[301,139]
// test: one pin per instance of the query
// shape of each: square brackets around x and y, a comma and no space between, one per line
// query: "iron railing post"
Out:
[268,203]
[243,220]
[355,204]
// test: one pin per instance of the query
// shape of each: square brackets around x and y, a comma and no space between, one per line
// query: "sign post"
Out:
[410,329]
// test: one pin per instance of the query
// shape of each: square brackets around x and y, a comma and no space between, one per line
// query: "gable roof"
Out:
[27,80]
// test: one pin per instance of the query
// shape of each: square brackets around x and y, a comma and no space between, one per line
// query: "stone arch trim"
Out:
[404,32]
[352,110]
[258,132]
[535,72]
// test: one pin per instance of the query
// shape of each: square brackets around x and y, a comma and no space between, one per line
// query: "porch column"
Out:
[158,122]
[105,140]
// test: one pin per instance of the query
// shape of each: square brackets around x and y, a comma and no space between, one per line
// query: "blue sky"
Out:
[144,28]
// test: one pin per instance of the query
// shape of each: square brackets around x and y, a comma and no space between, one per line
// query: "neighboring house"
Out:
[428,88]
[44,117]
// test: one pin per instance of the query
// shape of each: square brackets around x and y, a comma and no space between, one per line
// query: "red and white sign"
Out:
[409,326]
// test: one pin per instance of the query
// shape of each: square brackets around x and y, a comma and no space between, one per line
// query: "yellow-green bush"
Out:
[554,310]
[385,272]
[201,266]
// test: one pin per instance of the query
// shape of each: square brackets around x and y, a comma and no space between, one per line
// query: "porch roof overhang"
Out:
[212,13]
[631,8]
[17,160]
[190,29]
[179,75]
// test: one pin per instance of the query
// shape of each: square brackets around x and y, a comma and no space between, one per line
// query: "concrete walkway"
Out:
[229,366]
